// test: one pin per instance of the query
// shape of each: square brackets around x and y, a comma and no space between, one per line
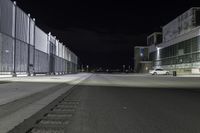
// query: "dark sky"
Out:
[104,33]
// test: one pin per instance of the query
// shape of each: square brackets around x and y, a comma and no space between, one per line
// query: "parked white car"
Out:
[159,72]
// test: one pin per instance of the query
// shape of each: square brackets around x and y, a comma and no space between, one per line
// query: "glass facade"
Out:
[184,52]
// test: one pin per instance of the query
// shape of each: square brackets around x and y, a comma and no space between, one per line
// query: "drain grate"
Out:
[70,101]
[54,122]
[65,106]
[69,110]
[46,130]
[56,115]
[54,118]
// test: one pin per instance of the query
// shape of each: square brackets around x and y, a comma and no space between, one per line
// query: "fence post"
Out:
[34,48]
[28,61]
[15,41]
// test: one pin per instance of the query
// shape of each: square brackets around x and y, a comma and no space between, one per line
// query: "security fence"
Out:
[25,48]
[6,53]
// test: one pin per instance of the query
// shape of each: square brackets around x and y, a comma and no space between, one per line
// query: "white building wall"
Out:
[180,25]
[191,34]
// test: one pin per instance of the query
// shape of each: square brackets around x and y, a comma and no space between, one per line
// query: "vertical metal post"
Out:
[15,41]
[28,61]
[49,53]
[34,48]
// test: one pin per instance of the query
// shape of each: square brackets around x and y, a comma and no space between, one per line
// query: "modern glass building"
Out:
[26,49]
[180,46]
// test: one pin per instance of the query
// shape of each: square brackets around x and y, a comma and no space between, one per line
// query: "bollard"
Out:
[174,73]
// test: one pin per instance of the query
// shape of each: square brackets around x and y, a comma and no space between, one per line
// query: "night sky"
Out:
[104,33]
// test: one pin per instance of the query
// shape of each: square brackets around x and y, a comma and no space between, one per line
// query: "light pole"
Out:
[158,56]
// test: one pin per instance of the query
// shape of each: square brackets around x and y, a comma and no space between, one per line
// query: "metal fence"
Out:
[6,54]
[25,48]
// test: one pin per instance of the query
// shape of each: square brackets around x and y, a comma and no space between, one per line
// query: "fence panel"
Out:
[22,26]
[31,55]
[66,66]
[7,17]
[60,50]
[21,56]
[6,53]
[41,40]
[32,32]
[41,62]
[56,64]
[65,53]
[57,48]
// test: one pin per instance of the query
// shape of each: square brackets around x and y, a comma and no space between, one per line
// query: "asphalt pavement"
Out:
[137,104]
[106,103]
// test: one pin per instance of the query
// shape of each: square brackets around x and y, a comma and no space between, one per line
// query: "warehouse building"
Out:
[180,46]
[26,49]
